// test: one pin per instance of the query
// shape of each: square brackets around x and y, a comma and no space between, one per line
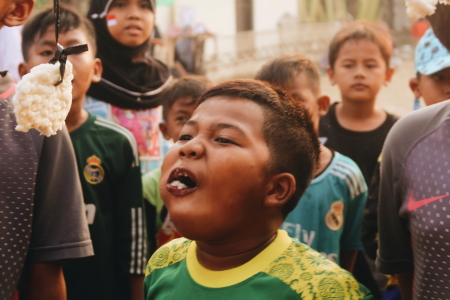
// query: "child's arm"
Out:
[46,281]
[405,281]
[347,259]
[136,287]
[351,236]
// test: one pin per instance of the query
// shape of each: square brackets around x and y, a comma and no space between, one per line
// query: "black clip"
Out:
[61,56]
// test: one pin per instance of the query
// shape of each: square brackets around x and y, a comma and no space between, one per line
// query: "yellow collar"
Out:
[219,279]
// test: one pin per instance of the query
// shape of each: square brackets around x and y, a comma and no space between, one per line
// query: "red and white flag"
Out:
[111,20]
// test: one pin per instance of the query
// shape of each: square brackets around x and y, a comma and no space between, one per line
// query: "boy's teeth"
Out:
[178,184]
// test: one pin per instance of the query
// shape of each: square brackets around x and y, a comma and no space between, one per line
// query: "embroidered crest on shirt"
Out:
[335,217]
[94,172]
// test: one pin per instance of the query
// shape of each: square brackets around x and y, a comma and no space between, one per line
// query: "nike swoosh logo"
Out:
[413,205]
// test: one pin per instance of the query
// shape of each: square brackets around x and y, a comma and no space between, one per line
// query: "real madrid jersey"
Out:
[286,269]
[108,166]
[329,215]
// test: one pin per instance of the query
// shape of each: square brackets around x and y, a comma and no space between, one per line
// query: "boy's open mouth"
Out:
[181,181]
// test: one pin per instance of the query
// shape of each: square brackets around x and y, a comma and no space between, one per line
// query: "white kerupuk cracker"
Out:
[38,103]
[417,9]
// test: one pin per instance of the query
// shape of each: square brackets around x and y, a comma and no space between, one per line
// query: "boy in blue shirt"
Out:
[328,216]
[238,168]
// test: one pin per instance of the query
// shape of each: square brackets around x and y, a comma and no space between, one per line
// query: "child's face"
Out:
[86,68]
[130,22]
[219,165]
[178,114]
[299,88]
[360,70]
[432,88]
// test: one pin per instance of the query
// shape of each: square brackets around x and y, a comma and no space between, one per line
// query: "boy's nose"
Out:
[192,150]
[359,71]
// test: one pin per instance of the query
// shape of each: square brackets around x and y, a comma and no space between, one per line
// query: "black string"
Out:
[62,53]
[56,12]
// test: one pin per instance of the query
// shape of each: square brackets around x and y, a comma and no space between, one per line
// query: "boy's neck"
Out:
[359,116]
[220,257]
[77,116]
[325,157]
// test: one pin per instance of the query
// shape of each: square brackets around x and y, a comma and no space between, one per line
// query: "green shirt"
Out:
[286,269]
[108,166]
[150,185]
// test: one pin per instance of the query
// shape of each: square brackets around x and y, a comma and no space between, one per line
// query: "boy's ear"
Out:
[281,188]
[330,73]
[23,69]
[389,74]
[18,12]
[98,70]
[164,130]
[324,105]
[414,86]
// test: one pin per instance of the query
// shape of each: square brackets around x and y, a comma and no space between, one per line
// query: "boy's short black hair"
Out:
[187,86]
[359,30]
[288,130]
[440,21]
[285,68]
[70,19]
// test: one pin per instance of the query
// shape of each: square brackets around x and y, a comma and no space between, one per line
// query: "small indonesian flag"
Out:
[111,20]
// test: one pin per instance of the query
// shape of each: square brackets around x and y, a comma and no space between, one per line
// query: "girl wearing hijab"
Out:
[129,92]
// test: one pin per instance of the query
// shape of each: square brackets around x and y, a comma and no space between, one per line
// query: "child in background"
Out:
[130,89]
[328,216]
[359,64]
[180,101]
[41,203]
[108,165]
[414,191]
[359,57]
[432,81]
[240,165]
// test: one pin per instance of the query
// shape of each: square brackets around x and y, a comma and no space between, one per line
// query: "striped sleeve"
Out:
[350,173]
[353,180]
[131,237]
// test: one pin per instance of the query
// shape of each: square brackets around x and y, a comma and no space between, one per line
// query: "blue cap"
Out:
[431,56]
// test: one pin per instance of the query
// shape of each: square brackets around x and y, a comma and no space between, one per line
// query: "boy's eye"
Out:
[438,77]
[371,66]
[181,119]
[348,66]
[224,141]
[46,53]
[185,137]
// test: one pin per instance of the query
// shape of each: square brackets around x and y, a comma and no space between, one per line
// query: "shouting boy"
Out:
[108,167]
[240,165]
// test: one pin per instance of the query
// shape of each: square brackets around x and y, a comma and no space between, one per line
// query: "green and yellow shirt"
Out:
[286,269]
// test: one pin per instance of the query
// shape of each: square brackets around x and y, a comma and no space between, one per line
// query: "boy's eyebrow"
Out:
[181,111]
[52,43]
[46,43]
[218,126]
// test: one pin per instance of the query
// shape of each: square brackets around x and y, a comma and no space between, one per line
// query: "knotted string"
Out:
[62,53]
